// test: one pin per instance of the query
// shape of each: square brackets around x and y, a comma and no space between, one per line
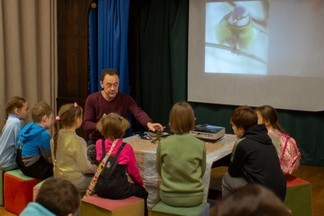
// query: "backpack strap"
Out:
[100,167]
[120,149]
[103,149]
[284,147]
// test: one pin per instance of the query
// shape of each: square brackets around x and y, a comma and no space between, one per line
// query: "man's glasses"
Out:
[109,85]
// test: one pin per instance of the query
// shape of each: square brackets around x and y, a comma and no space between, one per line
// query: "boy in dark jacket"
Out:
[254,158]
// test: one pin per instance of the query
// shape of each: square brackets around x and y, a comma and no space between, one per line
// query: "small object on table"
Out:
[158,136]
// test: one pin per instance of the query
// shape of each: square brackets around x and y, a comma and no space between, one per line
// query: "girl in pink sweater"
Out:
[287,149]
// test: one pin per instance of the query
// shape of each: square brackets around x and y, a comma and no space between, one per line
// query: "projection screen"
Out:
[256,53]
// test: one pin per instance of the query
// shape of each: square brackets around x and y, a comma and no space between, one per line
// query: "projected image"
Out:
[236,37]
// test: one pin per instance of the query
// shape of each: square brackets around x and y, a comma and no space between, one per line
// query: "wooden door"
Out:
[72,49]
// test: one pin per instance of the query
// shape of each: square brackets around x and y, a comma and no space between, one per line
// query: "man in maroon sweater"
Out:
[110,100]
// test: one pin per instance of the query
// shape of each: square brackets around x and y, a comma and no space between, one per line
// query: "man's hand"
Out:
[154,126]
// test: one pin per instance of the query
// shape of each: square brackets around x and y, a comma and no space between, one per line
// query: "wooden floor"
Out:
[313,174]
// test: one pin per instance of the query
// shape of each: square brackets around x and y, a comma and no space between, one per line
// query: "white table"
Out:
[145,153]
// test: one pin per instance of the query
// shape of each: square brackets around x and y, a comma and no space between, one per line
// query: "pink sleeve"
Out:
[98,149]
[132,168]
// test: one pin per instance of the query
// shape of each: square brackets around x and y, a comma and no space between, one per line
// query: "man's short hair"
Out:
[109,71]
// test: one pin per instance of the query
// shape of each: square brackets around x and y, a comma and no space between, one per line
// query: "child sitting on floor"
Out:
[17,110]
[33,146]
[69,151]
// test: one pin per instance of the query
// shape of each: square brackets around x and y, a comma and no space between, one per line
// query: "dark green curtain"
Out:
[159,42]
[307,128]
[161,56]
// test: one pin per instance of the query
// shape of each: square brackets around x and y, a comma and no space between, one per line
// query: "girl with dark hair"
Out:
[287,149]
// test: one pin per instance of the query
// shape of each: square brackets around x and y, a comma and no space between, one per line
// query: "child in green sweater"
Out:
[181,160]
